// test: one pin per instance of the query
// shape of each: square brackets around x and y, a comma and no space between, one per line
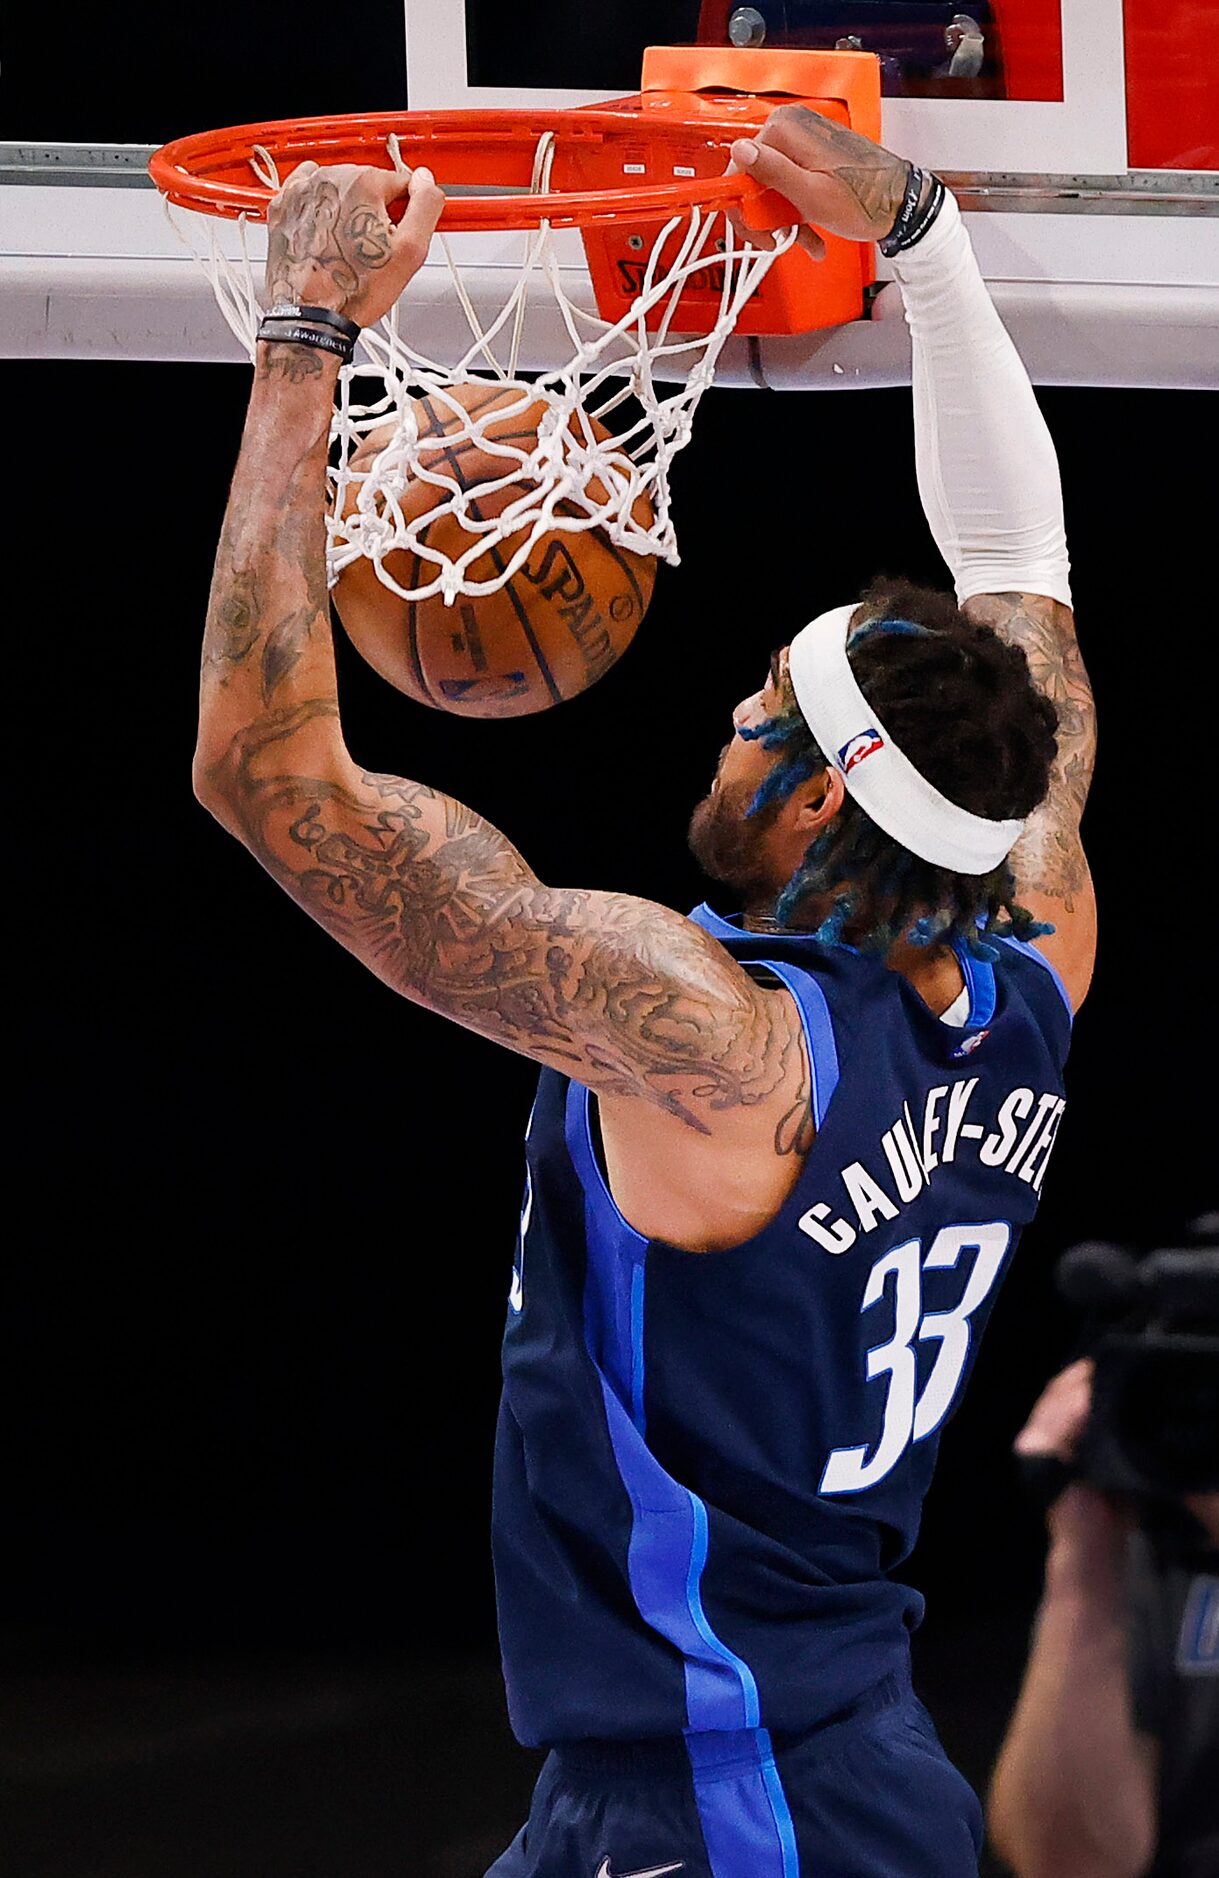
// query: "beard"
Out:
[730,846]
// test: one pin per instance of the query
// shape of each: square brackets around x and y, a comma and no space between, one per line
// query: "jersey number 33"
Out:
[908,1414]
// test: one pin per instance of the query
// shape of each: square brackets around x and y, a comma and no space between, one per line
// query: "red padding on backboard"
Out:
[1030,45]
[713,17]
[1172,85]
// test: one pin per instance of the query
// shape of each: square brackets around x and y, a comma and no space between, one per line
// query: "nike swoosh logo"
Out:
[653,1871]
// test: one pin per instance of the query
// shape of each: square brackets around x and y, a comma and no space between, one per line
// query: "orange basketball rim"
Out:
[615,170]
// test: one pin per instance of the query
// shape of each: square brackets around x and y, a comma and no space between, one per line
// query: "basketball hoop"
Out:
[644,181]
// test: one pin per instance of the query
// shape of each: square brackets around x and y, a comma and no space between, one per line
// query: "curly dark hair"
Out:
[962,705]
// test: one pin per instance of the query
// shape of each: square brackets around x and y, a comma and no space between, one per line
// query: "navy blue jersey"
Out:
[708,1465]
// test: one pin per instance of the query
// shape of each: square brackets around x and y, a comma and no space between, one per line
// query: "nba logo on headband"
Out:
[867,743]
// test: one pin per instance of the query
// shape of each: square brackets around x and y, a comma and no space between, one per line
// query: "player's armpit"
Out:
[624,995]
[1052,875]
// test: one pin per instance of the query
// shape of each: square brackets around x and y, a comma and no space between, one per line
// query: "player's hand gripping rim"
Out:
[834,178]
[332,241]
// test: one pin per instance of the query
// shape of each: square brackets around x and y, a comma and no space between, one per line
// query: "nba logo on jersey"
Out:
[866,743]
[971,1043]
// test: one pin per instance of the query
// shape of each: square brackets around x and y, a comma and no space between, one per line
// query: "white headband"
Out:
[883,781]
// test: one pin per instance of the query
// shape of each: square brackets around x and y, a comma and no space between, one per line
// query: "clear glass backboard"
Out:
[1081,135]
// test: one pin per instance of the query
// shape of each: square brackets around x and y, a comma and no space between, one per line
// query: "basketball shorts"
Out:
[869,1794]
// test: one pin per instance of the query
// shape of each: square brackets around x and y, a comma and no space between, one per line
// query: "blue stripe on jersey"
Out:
[710,921]
[814,1010]
[616,1251]
[818,1032]
[742,1808]
[667,1550]
[1031,952]
[694,1603]
[785,1825]
[979,979]
[664,1566]
[637,1408]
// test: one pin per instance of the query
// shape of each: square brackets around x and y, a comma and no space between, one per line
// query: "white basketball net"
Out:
[570,479]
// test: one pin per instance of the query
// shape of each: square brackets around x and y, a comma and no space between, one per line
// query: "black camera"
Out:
[1153,1334]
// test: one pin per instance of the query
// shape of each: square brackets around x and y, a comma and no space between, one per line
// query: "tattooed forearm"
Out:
[294,362]
[282,647]
[619,993]
[1049,854]
[233,622]
[268,630]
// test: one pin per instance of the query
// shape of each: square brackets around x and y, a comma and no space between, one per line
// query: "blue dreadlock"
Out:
[795,766]
[896,628]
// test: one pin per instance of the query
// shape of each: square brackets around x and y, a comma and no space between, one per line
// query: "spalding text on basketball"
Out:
[558,578]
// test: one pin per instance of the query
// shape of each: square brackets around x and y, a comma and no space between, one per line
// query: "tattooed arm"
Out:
[628,997]
[267,643]
[624,995]
[1052,874]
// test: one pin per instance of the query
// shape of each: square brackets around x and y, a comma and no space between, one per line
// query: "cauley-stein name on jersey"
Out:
[1017,1139]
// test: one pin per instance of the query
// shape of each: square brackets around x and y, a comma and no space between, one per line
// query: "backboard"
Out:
[1081,135]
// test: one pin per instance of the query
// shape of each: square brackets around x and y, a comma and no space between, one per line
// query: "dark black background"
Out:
[261,1215]
[543,49]
[149,71]
[145,71]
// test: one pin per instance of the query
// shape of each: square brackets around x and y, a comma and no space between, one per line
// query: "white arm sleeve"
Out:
[987,470]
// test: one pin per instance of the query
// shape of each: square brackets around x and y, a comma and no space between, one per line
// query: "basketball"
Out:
[554,629]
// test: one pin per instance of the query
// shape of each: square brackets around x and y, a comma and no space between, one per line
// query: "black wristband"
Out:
[318,315]
[913,190]
[308,336]
[927,214]
[912,221]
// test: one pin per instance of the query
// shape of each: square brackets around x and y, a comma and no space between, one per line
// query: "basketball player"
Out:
[779,1160]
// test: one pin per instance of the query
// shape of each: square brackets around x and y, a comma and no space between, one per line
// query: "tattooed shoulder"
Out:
[1049,856]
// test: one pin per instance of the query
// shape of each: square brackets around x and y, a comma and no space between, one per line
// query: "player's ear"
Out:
[819,800]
